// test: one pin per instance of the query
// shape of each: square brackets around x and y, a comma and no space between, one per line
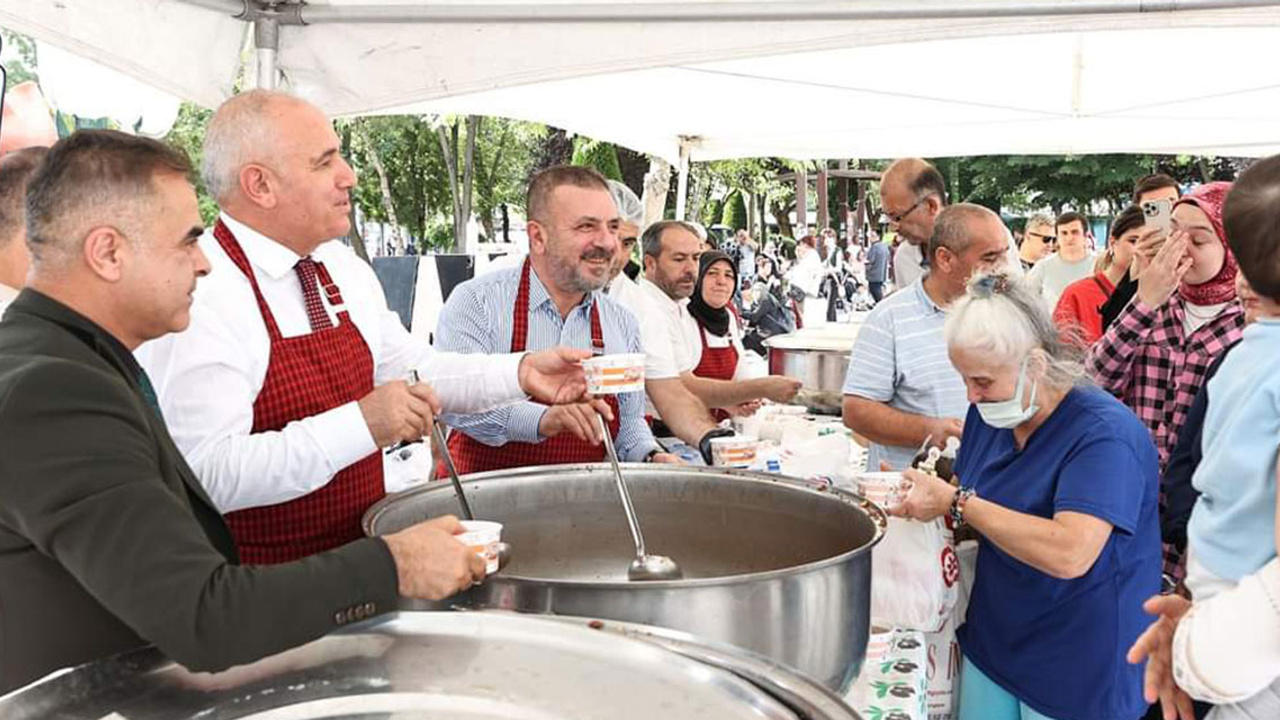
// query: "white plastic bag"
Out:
[915,576]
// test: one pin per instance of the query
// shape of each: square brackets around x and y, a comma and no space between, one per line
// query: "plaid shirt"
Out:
[1147,361]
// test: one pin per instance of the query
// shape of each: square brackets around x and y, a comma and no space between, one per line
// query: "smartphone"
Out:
[1158,213]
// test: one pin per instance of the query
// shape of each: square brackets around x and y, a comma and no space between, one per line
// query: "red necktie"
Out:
[306,269]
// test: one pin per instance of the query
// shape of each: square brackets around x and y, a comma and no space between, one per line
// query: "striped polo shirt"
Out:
[900,358]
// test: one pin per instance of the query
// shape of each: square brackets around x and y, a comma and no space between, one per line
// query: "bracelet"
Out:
[957,505]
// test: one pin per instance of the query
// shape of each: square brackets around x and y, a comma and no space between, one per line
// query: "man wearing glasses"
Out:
[912,193]
[1038,241]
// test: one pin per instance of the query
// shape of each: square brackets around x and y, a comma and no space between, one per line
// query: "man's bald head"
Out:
[915,176]
[245,129]
[912,193]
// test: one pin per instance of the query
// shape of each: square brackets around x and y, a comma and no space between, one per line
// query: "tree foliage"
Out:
[20,58]
[599,155]
[735,211]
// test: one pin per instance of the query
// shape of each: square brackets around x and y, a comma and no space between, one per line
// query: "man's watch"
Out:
[704,445]
[649,457]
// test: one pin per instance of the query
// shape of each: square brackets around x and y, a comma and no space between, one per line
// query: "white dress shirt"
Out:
[7,294]
[906,264]
[664,330]
[208,376]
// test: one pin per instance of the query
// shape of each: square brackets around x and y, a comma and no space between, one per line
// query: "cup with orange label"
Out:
[614,374]
[482,537]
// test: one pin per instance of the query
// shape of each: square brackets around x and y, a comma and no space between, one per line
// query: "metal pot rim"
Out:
[877,515]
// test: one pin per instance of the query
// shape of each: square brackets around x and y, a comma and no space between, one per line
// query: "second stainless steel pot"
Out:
[771,565]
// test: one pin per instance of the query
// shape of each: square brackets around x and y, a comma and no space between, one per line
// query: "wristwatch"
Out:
[649,458]
[704,445]
[957,505]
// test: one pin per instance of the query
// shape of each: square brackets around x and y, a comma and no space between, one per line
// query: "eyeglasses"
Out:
[1047,239]
[896,219]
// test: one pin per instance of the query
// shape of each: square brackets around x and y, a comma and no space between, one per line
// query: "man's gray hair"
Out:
[1007,320]
[651,240]
[240,132]
[953,228]
[630,209]
[1038,220]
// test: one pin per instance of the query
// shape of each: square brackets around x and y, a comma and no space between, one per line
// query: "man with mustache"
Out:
[555,297]
[292,375]
[671,252]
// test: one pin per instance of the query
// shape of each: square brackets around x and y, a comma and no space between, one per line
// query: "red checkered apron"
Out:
[472,456]
[716,364]
[307,375]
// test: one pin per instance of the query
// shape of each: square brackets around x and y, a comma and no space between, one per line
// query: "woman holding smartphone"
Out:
[1183,316]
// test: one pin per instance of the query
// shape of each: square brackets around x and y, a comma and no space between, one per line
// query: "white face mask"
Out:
[1008,414]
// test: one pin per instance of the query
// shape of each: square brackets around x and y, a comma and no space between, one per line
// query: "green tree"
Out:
[599,155]
[735,211]
[187,134]
[506,152]
[20,51]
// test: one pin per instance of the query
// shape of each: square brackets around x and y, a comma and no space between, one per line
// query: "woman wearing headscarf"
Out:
[718,353]
[1155,357]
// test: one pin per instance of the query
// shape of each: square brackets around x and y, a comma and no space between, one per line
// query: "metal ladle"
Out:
[644,567]
[437,437]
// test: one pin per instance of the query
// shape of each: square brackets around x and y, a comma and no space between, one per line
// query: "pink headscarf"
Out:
[1221,288]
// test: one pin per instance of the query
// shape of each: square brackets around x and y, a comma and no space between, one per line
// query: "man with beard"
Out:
[671,253]
[555,297]
[622,278]
[292,375]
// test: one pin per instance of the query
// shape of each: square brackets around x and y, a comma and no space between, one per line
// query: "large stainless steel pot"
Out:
[819,359]
[771,565]
[463,666]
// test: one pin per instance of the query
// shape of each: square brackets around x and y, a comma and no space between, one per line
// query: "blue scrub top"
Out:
[1059,645]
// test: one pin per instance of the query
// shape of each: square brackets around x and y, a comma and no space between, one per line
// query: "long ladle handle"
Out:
[437,437]
[622,487]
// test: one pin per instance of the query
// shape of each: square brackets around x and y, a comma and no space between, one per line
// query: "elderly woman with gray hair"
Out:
[1060,479]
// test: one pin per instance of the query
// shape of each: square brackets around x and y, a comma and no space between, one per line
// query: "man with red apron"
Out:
[554,297]
[291,376]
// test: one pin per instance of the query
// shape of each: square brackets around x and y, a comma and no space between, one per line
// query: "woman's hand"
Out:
[1161,278]
[1145,249]
[927,497]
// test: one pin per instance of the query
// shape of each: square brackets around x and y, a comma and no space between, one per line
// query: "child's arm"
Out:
[1227,648]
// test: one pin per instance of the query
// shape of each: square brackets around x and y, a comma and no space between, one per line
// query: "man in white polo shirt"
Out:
[901,388]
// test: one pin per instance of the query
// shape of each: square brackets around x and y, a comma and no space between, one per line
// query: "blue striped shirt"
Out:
[900,359]
[478,318]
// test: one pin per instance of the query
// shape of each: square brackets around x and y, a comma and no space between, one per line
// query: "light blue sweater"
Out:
[1232,529]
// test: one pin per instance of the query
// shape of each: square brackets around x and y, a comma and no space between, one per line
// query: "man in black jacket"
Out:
[107,540]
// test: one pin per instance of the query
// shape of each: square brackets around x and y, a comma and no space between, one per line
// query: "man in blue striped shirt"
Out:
[556,299]
[901,388]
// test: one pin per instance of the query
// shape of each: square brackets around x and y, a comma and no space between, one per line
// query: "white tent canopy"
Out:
[800,78]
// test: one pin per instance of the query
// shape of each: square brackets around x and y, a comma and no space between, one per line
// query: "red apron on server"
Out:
[472,456]
[716,364]
[307,375]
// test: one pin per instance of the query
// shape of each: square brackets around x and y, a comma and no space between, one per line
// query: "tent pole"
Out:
[266,44]
[682,182]
[742,11]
